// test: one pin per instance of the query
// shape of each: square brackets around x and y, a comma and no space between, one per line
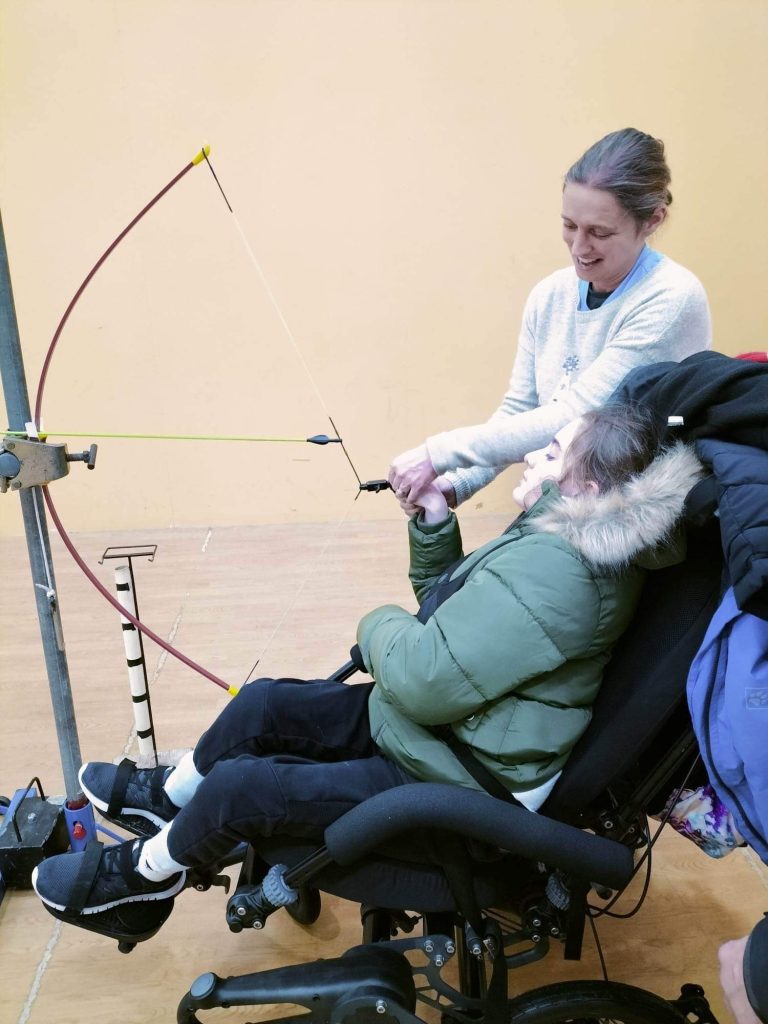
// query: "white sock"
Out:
[155,862]
[181,784]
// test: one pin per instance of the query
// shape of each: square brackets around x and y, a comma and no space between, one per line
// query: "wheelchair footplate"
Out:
[133,823]
[127,924]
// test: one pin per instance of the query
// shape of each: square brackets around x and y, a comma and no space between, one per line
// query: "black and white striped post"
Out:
[125,585]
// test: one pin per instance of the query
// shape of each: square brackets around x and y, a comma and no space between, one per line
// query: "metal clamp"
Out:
[25,462]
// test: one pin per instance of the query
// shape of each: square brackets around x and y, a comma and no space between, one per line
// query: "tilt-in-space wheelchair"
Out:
[491,885]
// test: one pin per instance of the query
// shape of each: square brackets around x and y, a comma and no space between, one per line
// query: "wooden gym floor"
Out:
[222,594]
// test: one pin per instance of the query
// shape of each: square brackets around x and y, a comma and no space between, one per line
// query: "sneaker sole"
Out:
[138,812]
[172,890]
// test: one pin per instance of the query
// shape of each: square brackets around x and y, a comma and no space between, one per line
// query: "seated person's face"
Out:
[546,464]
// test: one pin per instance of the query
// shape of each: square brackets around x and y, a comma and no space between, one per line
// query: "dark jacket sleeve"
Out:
[756,969]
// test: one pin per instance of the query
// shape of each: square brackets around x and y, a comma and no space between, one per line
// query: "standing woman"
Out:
[620,305]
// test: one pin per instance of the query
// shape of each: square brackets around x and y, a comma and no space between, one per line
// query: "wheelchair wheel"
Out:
[592,1002]
[306,909]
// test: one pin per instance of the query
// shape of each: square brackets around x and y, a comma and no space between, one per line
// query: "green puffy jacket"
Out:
[514,659]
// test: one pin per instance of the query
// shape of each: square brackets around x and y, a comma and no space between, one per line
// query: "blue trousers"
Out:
[284,757]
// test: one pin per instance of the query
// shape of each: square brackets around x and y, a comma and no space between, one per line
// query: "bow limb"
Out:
[92,272]
[38,415]
[123,611]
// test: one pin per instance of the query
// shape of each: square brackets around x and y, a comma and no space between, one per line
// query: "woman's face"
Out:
[546,464]
[603,239]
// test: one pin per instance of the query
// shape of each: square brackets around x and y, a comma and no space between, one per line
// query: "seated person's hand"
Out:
[431,504]
[410,473]
[731,957]
[446,487]
[448,490]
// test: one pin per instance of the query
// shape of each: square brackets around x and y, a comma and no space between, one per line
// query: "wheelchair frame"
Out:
[389,975]
[376,980]
[547,902]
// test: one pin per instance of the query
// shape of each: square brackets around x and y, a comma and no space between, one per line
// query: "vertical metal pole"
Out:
[36,530]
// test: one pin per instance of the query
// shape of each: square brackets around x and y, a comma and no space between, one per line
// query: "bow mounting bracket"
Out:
[32,462]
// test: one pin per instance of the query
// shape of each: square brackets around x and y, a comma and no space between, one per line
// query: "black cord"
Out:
[646,857]
[251,671]
[593,926]
[349,460]
[215,178]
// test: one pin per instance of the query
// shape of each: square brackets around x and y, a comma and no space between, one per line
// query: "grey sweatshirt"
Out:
[569,361]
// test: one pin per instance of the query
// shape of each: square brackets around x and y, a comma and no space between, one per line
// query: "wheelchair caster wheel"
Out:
[306,909]
[126,947]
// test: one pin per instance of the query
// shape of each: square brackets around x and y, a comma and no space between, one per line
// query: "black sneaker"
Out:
[123,790]
[98,878]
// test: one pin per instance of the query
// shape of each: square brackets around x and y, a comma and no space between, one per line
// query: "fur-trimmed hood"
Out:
[613,528]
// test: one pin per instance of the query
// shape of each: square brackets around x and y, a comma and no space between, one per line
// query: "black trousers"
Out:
[284,757]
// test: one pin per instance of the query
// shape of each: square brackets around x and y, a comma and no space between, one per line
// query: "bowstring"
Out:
[271,295]
[333,533]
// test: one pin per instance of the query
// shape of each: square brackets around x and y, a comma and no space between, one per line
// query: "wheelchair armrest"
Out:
[480,817]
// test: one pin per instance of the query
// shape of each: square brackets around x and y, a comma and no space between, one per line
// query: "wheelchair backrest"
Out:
[644,681]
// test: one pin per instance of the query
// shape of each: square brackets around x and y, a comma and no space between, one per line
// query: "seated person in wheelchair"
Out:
[507,652]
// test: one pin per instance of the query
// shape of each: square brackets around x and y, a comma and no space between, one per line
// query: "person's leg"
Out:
[250,798]
[242,799]
[247,796]
[321,720]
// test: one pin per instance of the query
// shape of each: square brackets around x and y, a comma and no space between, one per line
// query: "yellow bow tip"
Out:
[204,152]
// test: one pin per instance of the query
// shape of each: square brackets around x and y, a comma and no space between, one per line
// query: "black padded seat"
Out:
[644,682]
[394,884]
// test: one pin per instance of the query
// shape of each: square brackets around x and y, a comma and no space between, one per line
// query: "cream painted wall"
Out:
[396,166]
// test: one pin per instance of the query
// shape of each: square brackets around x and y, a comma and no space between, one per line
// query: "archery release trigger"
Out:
[375,485]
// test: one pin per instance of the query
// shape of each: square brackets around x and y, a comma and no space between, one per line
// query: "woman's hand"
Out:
[731,957]
[410,473]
